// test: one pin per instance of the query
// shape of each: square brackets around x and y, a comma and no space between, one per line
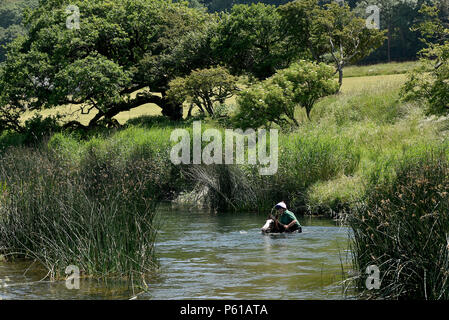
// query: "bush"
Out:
[37,127]
[275,100]
[203,88]
[402,227]
[304,159]
[429,85]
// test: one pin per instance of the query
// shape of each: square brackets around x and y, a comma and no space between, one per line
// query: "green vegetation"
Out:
[11,21]
[203,89]
[383,69]
[401,224]
[402,227]
[370,147]
[332,32]
[89,204]
[428,82]
[275,99]
[126,53]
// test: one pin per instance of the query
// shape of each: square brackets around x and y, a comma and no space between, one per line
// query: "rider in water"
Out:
[287,219]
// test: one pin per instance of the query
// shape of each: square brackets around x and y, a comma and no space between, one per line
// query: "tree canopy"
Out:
[332,31]
[125,54]
[428,83]
[119,48]
[11,21]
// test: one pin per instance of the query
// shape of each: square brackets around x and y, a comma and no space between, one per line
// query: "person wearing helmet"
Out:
[287,219]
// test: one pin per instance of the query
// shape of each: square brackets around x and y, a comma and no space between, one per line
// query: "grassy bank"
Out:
[324,165]
[379,69]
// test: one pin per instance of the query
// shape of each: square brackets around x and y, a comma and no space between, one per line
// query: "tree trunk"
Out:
[189,114]
[340,77]
[173,111]
[389,44]
[308,110]
[170,110]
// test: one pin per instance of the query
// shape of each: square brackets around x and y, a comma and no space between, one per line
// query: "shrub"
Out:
[304,159]
[203,88]
[275,100]
[37,127]
[431,87]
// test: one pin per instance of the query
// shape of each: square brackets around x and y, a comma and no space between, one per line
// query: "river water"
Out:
[215,256]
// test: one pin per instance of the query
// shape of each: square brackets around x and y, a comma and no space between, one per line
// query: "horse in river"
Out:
[272,225]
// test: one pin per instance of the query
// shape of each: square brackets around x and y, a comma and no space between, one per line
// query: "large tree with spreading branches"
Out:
[122,55]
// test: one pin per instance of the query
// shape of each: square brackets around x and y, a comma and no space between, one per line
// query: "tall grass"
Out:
[402,226]
[90,204]
[303,160]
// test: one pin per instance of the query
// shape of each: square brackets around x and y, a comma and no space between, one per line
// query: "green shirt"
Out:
[288,217]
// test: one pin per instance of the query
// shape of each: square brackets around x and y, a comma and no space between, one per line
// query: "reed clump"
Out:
[402,227]
[95,210]
[303,159]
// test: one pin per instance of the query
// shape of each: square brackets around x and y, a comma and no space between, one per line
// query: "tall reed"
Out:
[402,227]
[97,214]
[302,161]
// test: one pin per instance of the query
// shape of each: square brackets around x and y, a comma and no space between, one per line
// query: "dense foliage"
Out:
[203,88]
[275,99]
[428,83]
[118,49]
[250,40]
[90,204]
[11,21]
[402,229]
[124,55]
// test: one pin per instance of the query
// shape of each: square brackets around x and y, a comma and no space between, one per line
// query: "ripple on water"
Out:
[222,257]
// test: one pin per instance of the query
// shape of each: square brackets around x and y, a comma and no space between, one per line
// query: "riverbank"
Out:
[326,167]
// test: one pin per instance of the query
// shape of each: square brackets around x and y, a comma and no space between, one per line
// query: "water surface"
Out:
[216,256]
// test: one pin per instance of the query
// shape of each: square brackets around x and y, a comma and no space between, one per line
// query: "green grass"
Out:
[369,112]
[379,69]
[90,203]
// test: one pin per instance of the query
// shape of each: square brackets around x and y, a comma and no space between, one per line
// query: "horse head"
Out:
[270,225]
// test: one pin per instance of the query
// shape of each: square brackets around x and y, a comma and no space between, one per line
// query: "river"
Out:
[215,256]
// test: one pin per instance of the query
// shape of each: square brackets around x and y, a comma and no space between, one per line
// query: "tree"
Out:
[332,30]
[203,88]
[396,17]
[223,5]
[11,21]
[348,37]
[248,40]
[300,27]
[120,48]
[275,99]
[429,81]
